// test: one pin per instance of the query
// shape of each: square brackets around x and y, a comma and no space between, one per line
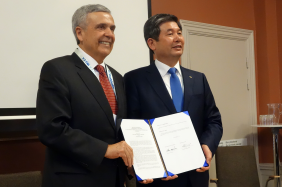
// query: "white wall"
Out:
[34,31]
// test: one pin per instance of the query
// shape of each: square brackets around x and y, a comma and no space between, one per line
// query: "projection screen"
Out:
[34,31]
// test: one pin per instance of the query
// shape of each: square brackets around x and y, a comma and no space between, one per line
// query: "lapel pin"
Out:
[190,77]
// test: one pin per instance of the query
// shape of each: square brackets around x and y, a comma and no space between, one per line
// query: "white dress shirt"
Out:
[163,69]
[94,63]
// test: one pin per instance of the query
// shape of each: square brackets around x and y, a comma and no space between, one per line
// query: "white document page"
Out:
[146,162]
[178,143]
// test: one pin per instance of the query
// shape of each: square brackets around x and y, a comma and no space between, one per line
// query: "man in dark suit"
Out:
[80,104]
[165,88]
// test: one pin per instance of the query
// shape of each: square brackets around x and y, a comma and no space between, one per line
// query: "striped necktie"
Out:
[109,92]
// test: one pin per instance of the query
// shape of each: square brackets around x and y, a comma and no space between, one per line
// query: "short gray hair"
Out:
[80,15]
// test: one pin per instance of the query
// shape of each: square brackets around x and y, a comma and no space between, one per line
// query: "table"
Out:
[275,131]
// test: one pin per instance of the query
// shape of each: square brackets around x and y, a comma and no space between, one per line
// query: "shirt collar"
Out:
[163,68]
[93,63]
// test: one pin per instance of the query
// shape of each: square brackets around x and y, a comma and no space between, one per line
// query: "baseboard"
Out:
[266,170]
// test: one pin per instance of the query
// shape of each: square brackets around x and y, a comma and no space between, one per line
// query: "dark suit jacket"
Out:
[148,98]
[76,124]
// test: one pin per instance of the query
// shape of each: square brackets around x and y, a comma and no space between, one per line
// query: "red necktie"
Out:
[109,92]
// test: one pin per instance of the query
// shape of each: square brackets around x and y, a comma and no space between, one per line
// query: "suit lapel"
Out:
[188,82]
[94,87]
[154,78]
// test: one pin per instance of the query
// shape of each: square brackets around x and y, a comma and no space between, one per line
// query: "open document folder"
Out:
[163,146]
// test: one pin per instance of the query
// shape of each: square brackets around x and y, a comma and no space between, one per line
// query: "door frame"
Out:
[216,31]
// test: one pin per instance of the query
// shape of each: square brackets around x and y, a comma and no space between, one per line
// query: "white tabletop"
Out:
[17,117]
[279,125]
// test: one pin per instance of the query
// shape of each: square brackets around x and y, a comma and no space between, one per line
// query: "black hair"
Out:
[152,25]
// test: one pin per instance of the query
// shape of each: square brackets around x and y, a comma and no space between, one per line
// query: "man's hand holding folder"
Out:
[208,155]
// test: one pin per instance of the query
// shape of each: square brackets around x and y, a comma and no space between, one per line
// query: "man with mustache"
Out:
[80,104]
[165,88]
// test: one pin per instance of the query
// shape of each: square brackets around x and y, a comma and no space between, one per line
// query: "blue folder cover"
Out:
[206,164]
[151,121]
[138,178]
[169,174]
[186,112]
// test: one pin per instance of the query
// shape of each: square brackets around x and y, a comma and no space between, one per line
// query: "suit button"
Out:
[84,164]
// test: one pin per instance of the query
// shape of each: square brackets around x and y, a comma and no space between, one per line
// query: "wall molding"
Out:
[267,166]
[266,170]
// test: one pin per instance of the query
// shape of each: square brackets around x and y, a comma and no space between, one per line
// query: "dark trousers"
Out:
[182,181]
[118,184]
